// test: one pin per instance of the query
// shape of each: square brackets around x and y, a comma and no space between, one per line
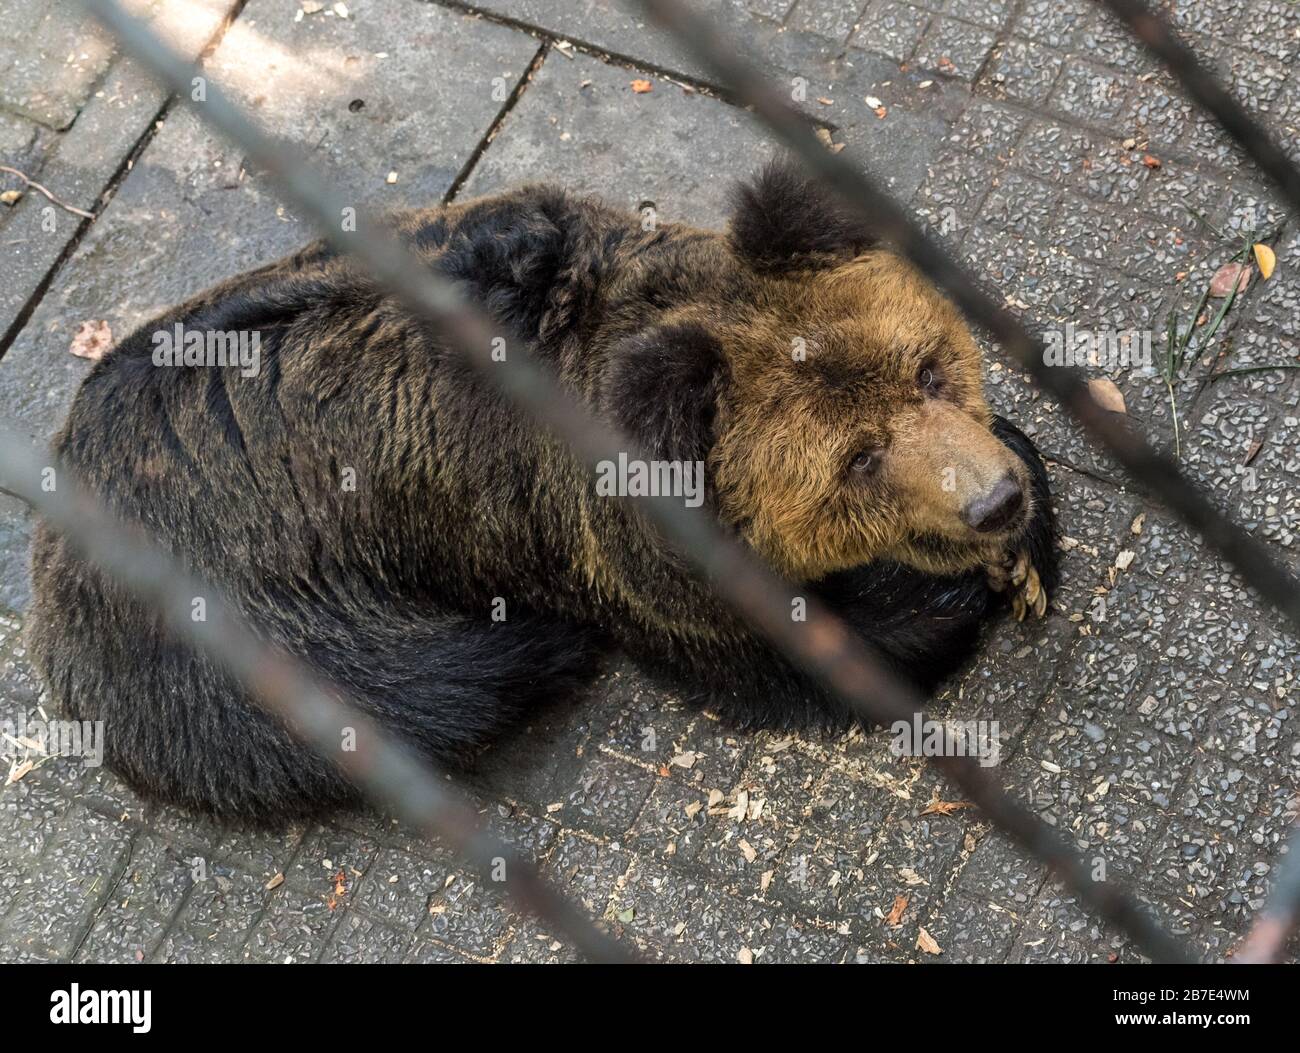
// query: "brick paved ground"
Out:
[1161,738]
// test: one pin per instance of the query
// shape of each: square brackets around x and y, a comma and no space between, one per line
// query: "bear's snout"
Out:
[995,509]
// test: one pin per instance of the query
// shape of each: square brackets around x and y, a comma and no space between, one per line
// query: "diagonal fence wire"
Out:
[1281,916]
[1266,941]
[821,644]
[1205,90]
[314,710]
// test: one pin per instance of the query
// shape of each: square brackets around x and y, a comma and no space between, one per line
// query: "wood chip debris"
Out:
[925,942]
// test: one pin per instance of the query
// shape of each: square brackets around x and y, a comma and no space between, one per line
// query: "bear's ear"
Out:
[783,219]
[663,387]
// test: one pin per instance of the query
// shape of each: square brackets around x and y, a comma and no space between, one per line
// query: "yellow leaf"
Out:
[1266,259]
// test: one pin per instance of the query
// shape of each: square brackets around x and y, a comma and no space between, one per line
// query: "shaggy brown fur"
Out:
[833,396]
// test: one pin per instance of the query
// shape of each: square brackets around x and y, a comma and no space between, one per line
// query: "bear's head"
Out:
[834,395]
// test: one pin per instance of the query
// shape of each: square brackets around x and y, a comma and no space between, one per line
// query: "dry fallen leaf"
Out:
[1136,526]
[1125,559]
[745,956]
[92,340]
[1150,162]
[925,942]
[1266,259]
[747,850]
[938,807]
[1253,451]
[895,915]
[19,772]
[275,882]
[642,86]
[10,197]
[1107,395]
[1228,276]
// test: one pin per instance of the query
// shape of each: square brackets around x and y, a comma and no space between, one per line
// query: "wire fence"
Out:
[822,645]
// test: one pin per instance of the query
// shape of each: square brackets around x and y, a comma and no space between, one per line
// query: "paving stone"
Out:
[1022,70]
[218,915]
[62,889]
[608,797]
[834,20]
[293,927]
[361,939]
[570,128]
[53,55]
[1056,23]
[892,29]
[77,165]
[154,883]
[955,48]
[469,914]
[679,827]
[972,931]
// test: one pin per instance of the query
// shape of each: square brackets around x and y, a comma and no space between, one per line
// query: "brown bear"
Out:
[376,507]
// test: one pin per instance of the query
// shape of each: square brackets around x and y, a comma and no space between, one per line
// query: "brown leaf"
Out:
[1228,276]
[1107,395]
[19,772]
[1150,162]
[938,807]
[92,340]
[925,942]
[275,882]
[1253,452]
[895,915]
[642,86]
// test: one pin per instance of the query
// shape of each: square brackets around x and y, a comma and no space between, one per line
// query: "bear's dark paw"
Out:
[1019,580]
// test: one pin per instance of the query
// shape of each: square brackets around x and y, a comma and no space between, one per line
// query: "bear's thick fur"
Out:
[374,506]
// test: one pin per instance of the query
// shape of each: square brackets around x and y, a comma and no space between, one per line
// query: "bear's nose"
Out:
[995,509]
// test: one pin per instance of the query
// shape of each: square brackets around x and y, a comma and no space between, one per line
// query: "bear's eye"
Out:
[929,378]
[867,461]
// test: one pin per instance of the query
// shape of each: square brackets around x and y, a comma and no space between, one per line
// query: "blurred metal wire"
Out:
[822,644]
[1267,939]
[316,711]
[1204,88]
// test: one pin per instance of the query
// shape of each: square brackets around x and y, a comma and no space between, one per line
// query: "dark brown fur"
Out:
[686,338]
